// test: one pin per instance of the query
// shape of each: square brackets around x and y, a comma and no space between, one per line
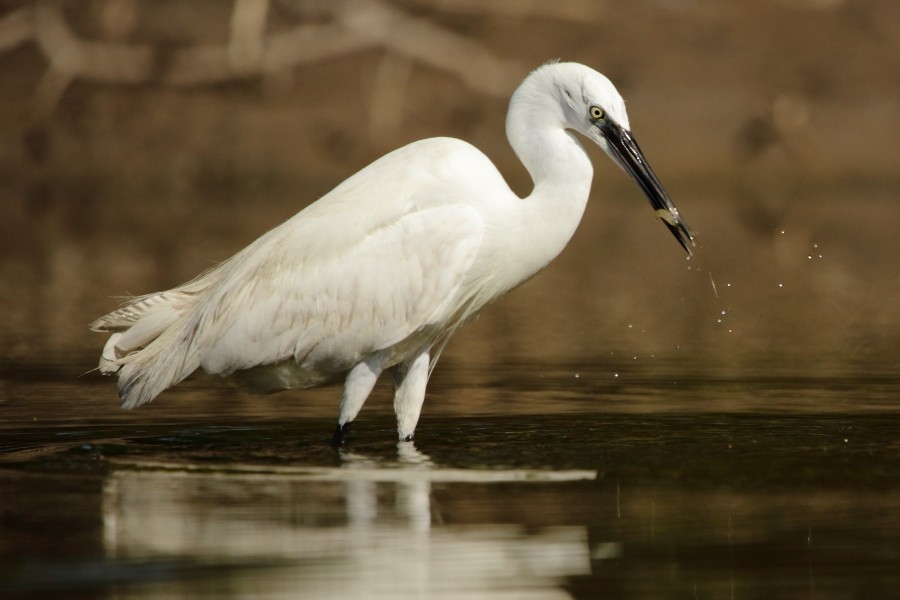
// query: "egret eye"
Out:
[596,113]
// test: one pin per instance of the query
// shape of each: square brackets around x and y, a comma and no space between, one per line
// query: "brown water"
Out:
[669,481]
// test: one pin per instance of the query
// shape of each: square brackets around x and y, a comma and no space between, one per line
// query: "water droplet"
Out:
[723,312]
[781,285]
[630,326]
[615,374]
[577,375]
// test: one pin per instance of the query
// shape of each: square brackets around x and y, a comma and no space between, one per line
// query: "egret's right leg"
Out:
[357,387]
[410,379]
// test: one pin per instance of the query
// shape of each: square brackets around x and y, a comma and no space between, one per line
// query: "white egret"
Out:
[380,272]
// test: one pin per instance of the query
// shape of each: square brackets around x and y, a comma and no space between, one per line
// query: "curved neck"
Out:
[559,167]
[555,159]
[562,173]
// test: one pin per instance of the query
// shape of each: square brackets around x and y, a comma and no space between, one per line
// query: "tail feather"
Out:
[109,358]
[137,309]
[137,323]
[153,342]
[167,360]
[143,348]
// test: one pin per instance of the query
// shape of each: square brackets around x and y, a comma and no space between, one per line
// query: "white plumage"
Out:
[380,272]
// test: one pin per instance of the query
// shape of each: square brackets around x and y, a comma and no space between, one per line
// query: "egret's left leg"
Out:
[360,381]
[410,379]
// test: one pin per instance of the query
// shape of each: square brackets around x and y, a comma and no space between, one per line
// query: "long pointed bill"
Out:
[625,150]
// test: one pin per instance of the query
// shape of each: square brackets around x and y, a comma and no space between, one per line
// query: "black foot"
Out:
[340,434]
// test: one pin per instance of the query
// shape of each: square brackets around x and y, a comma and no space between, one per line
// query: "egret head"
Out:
[593,107]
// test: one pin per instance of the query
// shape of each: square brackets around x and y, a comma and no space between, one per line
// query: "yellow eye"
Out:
[596,113]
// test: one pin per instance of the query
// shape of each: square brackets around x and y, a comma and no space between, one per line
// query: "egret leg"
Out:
[357,387]
[410,379]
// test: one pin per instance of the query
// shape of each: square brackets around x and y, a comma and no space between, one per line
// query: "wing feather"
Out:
[381,261]
[396,281]
[276,302]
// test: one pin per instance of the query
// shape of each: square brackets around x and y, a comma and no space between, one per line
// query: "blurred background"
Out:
[142,141]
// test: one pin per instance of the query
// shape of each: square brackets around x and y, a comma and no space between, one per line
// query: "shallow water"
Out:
[603,480]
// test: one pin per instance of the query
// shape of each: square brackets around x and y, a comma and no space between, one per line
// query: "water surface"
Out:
[570,481]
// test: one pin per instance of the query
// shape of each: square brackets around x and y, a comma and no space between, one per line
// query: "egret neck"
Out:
[561,172]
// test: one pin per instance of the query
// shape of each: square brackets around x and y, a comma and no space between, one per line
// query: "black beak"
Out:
[625,150]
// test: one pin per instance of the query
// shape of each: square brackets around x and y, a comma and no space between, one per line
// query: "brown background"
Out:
[773,124]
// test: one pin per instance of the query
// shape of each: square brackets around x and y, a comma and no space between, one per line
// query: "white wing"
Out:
[399,279]
[381,259]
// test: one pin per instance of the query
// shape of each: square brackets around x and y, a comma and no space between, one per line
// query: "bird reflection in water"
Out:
[368,526]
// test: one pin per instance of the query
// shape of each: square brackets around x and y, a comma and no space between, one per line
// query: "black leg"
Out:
[340,434]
